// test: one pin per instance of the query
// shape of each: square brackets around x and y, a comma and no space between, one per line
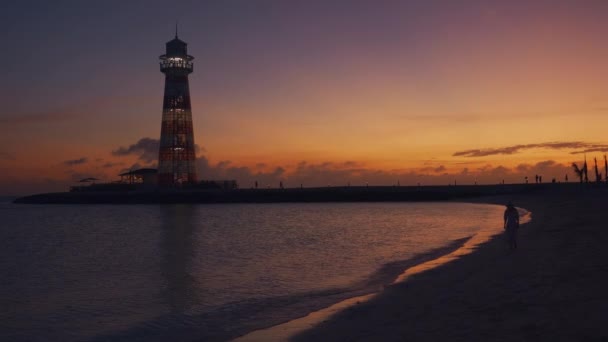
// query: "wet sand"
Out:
[553,287]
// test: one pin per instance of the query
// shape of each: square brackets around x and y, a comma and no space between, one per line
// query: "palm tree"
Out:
[578,171]
[598,175]
[585,170]
[605,168]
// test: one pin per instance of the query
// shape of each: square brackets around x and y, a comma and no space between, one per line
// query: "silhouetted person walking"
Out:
[511,225]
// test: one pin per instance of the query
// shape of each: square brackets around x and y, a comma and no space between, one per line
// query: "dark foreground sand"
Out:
[553,288]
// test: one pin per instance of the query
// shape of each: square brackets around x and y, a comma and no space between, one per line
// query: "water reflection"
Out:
[177,246]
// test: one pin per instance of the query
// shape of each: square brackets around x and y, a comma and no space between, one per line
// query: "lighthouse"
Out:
[176,157]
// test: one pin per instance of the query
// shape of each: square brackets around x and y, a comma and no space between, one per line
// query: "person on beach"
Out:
[511,225]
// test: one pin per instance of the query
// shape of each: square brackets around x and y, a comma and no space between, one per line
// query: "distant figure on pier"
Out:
[566,178]
[281,184]
[256,184]
[511,219]
[540,178]
[536,179]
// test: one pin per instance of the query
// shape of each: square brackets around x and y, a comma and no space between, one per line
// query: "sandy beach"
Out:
[553,287]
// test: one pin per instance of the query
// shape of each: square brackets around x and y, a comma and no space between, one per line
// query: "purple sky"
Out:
[394,87]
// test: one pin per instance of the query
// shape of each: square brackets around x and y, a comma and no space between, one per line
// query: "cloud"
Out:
[78,161]
[357,173]
[340,174]
[146,149]
[437,169]
[545,164]
[320,174]
[110,164]
[593,149]
[244,175]
[352,163]
[560,145]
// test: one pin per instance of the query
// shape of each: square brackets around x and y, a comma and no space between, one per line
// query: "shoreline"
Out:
[551,288]
[285,331]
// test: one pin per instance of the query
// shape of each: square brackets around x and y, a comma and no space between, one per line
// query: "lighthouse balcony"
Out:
[176,64]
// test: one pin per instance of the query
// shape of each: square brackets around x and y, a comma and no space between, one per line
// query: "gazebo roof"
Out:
[139,172]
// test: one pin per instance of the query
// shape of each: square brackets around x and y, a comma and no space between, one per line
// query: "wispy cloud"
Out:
[78,161]
[592,149]
[110,164]
[558,145]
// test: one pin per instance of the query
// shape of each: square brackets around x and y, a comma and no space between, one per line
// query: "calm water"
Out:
[204,272]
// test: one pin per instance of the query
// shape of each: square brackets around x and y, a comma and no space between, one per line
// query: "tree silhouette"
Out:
[605,169]
[585,169]
[578,171]
[598,175]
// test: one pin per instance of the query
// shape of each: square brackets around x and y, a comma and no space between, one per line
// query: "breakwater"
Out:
[295,195]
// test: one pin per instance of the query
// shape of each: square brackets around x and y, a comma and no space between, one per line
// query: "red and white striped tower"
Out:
[176,157]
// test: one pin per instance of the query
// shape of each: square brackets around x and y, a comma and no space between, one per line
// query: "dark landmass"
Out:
[296,195]
[7,199]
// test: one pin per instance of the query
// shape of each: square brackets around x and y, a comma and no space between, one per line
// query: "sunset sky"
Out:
[307,92]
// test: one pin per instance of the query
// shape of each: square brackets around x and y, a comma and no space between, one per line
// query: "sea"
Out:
[207,272]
